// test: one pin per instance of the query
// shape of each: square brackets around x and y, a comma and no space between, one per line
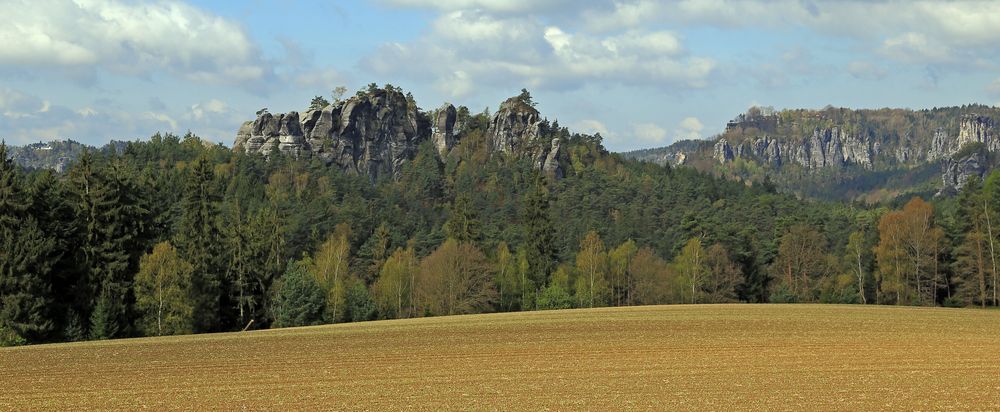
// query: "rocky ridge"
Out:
[835,147]
[516,129]
[376,132]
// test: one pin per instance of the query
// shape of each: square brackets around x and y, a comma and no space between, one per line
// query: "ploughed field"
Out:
[814,357]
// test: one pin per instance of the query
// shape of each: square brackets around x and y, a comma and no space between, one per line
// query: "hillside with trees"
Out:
[845,154]
[175,235]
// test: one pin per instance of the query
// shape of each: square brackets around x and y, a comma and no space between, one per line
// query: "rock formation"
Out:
[830,147]
[833,147]
[514,126]
[377,132]
[371,134]
[977,129]
[444,127]
[957,171]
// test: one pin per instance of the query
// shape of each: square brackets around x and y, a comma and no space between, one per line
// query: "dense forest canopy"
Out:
[176,235]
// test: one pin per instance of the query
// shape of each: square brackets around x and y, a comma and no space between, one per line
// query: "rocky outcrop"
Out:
[552,166]
[372,134]
[514,127]
[977,129]
[516,130]
[444,129]
[375,133]
[831,147]
[956,172]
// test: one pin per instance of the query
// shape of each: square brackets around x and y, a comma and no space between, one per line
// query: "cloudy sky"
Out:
[642,73]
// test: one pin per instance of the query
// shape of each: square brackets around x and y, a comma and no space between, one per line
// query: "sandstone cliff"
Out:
[376,132]
[516,130]
[848,150]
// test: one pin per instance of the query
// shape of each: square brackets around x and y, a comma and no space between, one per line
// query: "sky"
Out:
[642,73]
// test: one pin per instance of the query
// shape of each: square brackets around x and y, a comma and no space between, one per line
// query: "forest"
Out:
[177,235]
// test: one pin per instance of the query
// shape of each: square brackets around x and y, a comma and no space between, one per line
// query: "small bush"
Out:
[554,297]
[9,338]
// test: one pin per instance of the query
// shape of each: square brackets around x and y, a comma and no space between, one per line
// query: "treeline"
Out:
[174,235]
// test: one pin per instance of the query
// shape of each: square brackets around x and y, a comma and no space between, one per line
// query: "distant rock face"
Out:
[977,129]
[514,126]
[372,135]
[836,148]
[956,172]
[516,129]
[376,133]
[443,130]
[829,147]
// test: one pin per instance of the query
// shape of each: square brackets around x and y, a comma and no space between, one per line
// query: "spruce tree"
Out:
[199,243]
[112,215]
[463,222]
[539,236]
[25,284]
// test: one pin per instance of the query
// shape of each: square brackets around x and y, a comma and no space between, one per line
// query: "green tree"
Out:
[620,261]
[111,209]
[318,103]
[300,300]
[108,312]
[557,294]
[393,291]
[463,223]
[250,270]
[163,293]
[539,243]
[25,265]
[507,281]
[592,267]
[331,269]
[971,265]
[690,266]
[198,242]
[358,303]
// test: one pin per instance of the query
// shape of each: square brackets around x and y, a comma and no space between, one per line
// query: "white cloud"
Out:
[590,126]
[15,104]
[916,48]
[928,32]
[499,6]
[649,133]
[25,118]
[466,48]
[132,38]
[457,84]
[160,118]
[690,128]
[199,111]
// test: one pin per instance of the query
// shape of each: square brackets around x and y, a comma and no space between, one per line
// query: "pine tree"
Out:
[300,301]
[463,223]
[539,236]
[198,241]
[105,320]
[25,265]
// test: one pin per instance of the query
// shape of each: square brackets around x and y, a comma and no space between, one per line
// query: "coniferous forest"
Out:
[176,235]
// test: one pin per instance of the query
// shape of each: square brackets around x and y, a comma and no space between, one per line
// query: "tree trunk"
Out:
[993,258]
[861,277]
